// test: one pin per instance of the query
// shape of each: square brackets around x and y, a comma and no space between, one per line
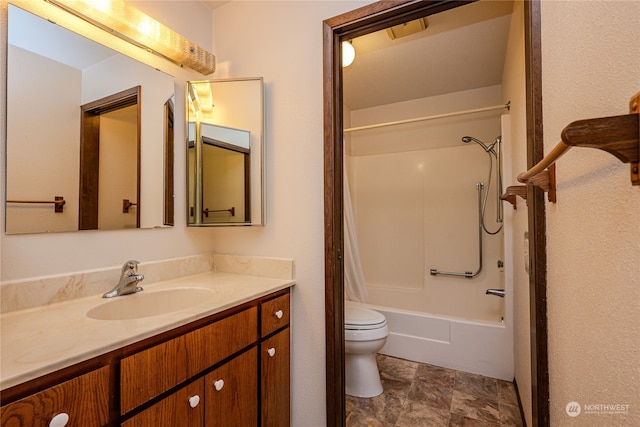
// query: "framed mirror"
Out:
[89,133]
[225,143]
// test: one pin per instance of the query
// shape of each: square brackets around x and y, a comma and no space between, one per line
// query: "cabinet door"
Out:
[82,401]
[232,392]
[185,407]
[275,379]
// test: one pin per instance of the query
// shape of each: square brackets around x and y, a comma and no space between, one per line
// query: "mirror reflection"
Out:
[87,130]
[225,152]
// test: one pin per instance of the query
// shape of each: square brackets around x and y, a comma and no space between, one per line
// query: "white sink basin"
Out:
[153,303]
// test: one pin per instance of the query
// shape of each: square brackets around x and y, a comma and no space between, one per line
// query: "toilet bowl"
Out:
[365,333]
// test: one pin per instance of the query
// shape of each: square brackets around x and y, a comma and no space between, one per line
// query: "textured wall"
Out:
[516,151]
[591,58]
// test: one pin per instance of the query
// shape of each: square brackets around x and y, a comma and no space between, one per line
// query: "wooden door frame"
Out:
[90,152]
[377,16]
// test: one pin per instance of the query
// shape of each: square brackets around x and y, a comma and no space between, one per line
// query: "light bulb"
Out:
[348,54]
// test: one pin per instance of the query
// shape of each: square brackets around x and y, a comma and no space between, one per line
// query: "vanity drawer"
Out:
[151,372]
[84,399]
[275,314]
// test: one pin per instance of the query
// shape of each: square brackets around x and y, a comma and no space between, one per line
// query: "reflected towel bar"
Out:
[232,211]
[126,204]
[58,202]
[617,135]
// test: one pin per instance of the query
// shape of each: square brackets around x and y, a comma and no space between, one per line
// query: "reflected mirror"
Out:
[89,134]
[225,141]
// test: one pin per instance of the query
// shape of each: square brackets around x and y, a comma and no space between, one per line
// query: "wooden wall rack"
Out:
[618,135]
[126,204]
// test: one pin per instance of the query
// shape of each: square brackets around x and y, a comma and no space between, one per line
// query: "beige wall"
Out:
[282,41]
[591,63]
[515,154]
[55,137]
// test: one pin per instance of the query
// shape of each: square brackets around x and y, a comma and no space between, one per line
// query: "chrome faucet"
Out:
[129,279]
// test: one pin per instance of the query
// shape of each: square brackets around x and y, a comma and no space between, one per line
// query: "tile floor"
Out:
[419,395]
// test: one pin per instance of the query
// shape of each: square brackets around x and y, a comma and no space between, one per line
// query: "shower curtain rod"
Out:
[437,116]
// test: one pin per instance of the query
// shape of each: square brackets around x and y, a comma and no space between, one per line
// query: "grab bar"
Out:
[468,274]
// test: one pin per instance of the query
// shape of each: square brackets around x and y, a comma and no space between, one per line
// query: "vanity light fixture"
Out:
[200,97]
[134,26]
[348,54]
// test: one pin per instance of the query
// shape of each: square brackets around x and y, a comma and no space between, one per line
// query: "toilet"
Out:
[365,333]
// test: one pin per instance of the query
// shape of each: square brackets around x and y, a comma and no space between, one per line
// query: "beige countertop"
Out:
[41,340]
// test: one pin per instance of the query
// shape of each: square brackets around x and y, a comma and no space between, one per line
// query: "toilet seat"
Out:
[363,324]
[362,319]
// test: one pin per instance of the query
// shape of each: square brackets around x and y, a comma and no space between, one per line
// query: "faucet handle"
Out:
[132,265]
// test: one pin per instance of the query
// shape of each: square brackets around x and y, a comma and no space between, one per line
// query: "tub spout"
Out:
[496,292]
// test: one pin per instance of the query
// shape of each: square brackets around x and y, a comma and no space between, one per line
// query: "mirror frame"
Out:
[367,19]
[257,210]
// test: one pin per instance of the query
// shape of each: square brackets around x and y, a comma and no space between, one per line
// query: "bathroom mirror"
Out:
[89,134]
[225,143]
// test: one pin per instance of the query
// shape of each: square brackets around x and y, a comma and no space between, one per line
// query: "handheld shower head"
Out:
[468,139]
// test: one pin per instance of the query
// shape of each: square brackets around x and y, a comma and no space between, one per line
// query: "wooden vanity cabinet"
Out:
[83,401]
[227,370]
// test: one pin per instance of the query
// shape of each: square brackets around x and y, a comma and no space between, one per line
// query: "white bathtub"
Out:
[480,347]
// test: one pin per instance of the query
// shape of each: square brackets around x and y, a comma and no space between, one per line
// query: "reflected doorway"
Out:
[110,162]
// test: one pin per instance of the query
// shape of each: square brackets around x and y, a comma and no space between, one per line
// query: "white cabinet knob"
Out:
[271,352]
[194,401]
[218,385]
[279,314]
[59,420]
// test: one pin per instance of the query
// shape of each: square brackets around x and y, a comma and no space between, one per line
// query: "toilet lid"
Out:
[362,318]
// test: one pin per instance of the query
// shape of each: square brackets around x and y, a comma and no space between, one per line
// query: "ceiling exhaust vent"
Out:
[407,28]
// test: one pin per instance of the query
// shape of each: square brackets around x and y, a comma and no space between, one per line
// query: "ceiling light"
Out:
[132,25]
[348,54]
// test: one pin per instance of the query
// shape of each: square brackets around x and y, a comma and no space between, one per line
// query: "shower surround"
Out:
[415,203]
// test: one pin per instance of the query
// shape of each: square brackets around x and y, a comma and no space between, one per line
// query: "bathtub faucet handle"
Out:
[496,292]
